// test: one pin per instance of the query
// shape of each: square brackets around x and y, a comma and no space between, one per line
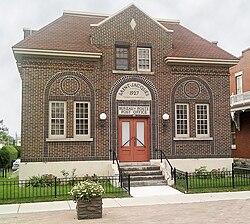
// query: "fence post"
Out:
[161,155]
[186,178]
[113,155]
[55,186]
[232,175]
[175,177]
[120,177]
[129,184]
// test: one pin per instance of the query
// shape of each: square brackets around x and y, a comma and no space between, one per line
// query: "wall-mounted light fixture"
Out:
[103,116]
[165,118]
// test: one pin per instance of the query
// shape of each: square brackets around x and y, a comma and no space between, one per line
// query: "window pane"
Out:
[140,133]
[202,119]
[125,133]
[144,58]
[82,119]
[122,58]
[181,119]
[57,118]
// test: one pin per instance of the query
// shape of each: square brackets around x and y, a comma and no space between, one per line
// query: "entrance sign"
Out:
[133,91]
[133,110]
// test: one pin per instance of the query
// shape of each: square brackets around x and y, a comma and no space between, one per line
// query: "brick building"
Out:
[240,106]
[125,82]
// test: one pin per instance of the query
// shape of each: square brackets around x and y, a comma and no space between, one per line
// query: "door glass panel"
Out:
[125,133]
[140,133]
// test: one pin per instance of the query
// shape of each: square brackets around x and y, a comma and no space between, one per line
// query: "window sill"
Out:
[193,139]
[127,72]
[69,140]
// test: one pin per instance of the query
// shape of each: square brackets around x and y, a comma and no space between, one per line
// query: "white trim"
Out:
[239,84]
[243,108]
[182,135]
[85,14]
[43,52]
[193,139]
[238,73]
[150,58]
[208,121]
[123,9]
[200,60]
[124,72]
[168,20]
[69,140]
[81,137]
[65,121]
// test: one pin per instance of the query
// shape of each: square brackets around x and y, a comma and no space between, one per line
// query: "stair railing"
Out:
[114,158]
[163,156]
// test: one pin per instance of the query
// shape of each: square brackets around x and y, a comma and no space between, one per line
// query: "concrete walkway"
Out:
[161,198]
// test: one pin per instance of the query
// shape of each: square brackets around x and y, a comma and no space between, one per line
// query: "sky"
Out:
[225,21]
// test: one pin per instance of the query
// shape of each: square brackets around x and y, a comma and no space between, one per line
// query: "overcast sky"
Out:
[226,21]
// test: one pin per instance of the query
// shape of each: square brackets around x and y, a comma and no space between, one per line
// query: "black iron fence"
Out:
[53,187]
[186,182]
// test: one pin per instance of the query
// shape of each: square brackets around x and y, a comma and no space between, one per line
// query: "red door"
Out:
[133,140]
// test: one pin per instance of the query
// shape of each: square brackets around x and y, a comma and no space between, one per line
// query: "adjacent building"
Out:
[126,82]
[240,106]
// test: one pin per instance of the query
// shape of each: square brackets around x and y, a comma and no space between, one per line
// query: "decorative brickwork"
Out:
[94,80]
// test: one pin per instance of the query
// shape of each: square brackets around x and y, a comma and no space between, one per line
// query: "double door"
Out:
[133,139]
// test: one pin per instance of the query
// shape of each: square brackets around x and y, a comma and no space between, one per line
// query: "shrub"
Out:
[45,180]
[4,158]
[13,153]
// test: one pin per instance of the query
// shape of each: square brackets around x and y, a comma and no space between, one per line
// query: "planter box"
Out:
[89,209]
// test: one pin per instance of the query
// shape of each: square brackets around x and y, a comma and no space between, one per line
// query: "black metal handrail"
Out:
[162,154]
[114,157]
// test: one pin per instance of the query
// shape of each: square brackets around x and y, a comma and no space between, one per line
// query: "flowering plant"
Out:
[86,190]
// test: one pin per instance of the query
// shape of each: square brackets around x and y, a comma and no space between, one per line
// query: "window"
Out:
[82,119]
[202,120]
[144,59]
[122,58]
[57,121]
[182,120]
[239,84]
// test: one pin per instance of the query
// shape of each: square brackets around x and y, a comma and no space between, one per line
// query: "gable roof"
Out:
[72,31]
[187,44]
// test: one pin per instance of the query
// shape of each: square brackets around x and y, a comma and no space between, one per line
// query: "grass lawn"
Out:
[12,192]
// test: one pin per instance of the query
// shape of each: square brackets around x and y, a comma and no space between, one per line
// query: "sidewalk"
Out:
[157,197]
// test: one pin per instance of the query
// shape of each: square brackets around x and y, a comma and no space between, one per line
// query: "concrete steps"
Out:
[143,174]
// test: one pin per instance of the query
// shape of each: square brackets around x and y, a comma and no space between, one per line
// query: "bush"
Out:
[13,153]
[4,158]
[45,180]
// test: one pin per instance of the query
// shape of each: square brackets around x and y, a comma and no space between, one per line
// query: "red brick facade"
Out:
[241,105]
[71,79]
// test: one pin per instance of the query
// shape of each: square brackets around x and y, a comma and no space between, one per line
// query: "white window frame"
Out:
[188,132]
[83,136]
[138,67]
[208,121]
[239,84]
[65,121]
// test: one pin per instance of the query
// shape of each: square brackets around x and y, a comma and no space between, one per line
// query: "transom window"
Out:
[202,120]
[57,119]
[144,59]
[122,54]
[82,118]
[182,120]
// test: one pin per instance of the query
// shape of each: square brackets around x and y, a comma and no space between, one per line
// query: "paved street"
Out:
[232,211]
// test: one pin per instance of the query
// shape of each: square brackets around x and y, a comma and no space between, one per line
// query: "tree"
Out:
[4,160]
[4,134]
